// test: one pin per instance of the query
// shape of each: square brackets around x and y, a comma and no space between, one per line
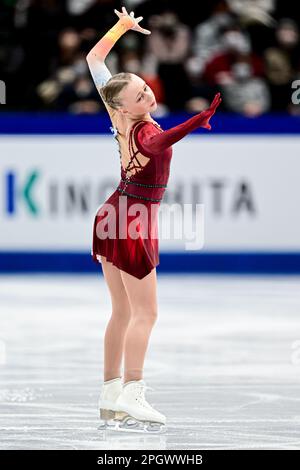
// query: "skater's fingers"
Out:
[118,13]
[212,107]
[216,98]
[219,100]
[217,103]
[214,102]
[142,30]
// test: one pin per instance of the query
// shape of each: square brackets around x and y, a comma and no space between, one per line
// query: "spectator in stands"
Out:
[236,45]
[253,10]
[208,39]
[170,44]
[70,89]
[195,54]
[282,62]
[244,93]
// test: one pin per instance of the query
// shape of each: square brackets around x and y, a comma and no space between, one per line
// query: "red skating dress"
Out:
[126,226]
[127,232]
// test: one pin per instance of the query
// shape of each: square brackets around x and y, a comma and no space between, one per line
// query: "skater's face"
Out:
[137,98]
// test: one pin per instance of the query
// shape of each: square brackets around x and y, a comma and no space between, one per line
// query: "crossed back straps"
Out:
[134,163]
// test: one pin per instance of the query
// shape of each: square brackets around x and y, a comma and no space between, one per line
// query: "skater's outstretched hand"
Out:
[209,112]
[135,27]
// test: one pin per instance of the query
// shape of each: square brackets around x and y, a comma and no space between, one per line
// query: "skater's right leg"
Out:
[116,329]
[142,295]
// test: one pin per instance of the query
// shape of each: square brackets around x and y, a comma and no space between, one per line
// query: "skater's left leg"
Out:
[116,329]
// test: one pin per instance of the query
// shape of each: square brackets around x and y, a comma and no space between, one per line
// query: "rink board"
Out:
[245,186]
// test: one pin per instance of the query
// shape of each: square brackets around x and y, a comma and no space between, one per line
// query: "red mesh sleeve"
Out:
[155,143]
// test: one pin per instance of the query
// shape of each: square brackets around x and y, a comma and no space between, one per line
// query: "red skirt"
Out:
[126,232]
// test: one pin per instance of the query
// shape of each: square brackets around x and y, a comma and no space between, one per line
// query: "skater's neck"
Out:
[134,118]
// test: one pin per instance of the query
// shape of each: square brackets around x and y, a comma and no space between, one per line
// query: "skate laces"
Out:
[141,395]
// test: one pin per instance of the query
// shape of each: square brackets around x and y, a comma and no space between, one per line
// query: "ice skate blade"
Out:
[107,425]
[130,424]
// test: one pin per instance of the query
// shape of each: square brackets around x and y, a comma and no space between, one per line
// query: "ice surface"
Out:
[223,359]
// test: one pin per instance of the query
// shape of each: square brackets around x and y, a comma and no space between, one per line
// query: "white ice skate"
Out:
[111,389]
[135,413]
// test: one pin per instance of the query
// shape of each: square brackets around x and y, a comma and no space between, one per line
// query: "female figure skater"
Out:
[129,263]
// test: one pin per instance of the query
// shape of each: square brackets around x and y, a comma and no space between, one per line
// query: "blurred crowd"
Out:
[247,49]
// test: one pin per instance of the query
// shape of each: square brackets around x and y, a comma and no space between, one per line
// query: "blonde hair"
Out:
[110,91]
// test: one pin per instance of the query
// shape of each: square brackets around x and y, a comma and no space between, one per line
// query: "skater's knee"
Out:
[121,306]
[146,314]
[121,311]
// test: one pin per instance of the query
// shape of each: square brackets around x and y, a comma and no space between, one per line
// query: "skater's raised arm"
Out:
[159,142]
[95,58]
[98,53]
